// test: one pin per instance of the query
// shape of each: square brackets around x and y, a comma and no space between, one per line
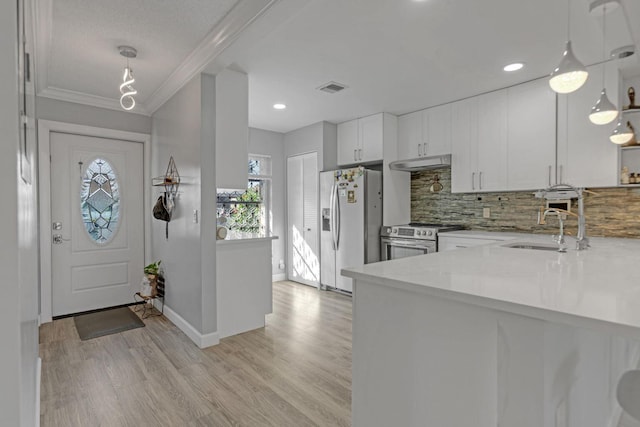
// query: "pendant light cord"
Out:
[568,20]
[604,37]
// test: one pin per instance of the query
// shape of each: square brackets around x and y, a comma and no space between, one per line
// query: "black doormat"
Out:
[106,322]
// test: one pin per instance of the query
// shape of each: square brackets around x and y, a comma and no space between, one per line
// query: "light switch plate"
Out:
[486,212]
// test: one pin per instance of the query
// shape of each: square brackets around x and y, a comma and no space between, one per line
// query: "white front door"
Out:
[97,222]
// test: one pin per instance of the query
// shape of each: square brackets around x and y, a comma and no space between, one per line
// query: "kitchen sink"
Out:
[534,246]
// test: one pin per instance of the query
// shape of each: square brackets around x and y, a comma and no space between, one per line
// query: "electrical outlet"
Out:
[281,264]
[486,212]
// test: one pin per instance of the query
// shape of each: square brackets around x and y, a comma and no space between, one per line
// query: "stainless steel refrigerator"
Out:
[351,212]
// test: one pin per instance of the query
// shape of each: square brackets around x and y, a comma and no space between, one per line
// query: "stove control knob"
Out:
[388,230]
[429,233]
[422,233]
[395,230]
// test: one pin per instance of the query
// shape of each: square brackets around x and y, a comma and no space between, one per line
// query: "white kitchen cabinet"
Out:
[410,135]
[479,143]
[531,158]
[452,243]
[231,129]
[586,157]
[348,142]
[425,133]
[361,140]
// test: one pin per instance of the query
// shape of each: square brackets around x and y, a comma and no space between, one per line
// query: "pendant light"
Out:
[570,74]
[603,112]
[127,92]
[622,133]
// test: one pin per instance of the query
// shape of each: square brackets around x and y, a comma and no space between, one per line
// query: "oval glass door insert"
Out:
[100,201]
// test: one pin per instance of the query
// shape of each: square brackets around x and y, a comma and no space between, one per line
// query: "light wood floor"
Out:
[294,372]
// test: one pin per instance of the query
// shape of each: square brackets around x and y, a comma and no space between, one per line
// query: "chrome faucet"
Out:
[566,191]
[558,238]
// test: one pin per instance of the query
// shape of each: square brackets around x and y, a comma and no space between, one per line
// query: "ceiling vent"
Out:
[332,87]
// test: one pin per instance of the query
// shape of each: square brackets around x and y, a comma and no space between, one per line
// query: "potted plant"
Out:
[151,271]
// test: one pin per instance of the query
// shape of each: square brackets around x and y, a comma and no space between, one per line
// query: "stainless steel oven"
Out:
[401,241]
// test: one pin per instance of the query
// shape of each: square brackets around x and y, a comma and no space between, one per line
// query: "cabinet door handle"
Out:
[473,180]
[359,153]
[419,150]
[560,179]
[424,149]
[355,155]
[480,180]
[549,175]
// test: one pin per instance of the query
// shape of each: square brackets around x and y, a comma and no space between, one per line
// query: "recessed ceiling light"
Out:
[279,106]
[513,67]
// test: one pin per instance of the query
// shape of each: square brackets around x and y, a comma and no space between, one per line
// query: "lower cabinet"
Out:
[446,243]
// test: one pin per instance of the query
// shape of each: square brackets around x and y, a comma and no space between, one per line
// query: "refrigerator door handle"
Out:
[332,200]
[337,218]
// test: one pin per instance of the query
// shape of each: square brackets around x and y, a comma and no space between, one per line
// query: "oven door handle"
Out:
[406,245]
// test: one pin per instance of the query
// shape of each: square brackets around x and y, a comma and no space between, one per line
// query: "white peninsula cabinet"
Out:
[425,133]
[479,143]
[361,140]
[586,157]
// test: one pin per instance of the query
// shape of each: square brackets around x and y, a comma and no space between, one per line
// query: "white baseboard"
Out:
[202,341]
[278,277]
[38,381]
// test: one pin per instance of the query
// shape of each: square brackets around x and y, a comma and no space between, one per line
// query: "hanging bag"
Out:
[162,212]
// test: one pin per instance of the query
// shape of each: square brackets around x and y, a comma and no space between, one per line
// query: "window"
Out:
[100,201]
[249,211]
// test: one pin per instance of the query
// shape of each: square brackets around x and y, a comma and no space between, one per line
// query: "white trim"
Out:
[278,277]
[43,17]
[202,341]
[214,43]
[88,99]
[38,386]
[45,127]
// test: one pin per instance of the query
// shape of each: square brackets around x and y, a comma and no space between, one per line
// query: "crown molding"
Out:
[218,39]
[88,99]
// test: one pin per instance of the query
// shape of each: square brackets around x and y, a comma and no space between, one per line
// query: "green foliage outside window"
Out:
[246,216]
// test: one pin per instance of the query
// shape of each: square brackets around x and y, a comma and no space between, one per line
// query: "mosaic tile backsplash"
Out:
[613,212]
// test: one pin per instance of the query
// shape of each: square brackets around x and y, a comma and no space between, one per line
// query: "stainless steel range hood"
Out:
[422,163]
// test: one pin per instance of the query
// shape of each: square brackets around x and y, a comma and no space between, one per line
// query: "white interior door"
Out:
[302,209]
[97,222]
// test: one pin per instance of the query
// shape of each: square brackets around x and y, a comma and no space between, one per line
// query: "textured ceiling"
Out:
[401,55]
[85,34]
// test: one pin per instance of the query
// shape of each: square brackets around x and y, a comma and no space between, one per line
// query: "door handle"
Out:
[359,153]
[473,180]
[480,180]
[419,150]
[58,239]
[560,180]
[549,175]
[355,154]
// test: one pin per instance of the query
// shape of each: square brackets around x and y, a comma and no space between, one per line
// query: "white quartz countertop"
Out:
[474,234]
[596,288]
[239,237]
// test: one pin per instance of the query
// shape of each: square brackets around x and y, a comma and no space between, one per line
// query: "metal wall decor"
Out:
[165,205]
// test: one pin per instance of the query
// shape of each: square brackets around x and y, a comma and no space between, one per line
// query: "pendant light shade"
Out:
[570,74]
[622,133]
[604,112]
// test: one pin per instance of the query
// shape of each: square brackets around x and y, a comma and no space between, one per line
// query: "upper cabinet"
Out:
[361,140]
[232,129]
[425,133]
[531,150]
[479,146]
[586,157]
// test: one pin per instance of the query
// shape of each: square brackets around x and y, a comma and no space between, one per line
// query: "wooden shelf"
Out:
[631,111]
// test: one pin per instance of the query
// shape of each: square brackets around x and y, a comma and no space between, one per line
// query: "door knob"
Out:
[57,239]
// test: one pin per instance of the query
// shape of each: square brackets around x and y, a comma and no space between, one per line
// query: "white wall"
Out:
[272,143]
[18,252]
[69,112]
[177,131]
